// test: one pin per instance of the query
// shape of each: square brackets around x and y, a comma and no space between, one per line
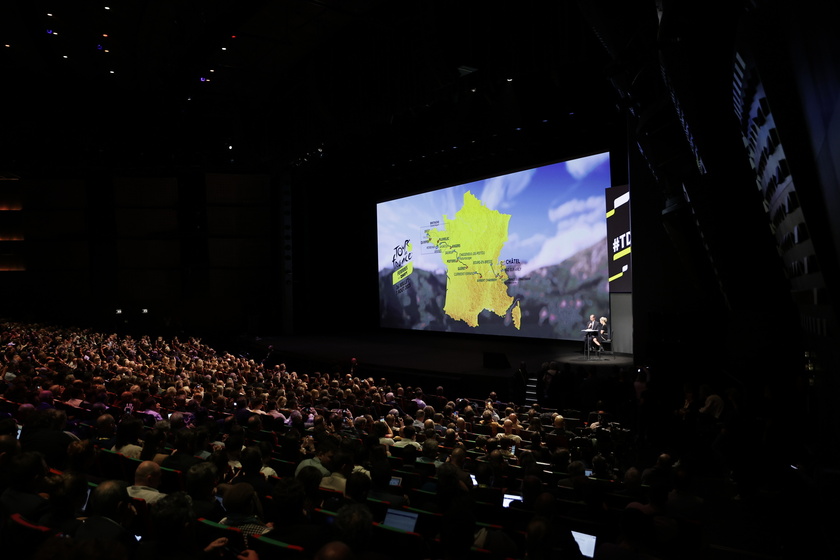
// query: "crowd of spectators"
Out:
[315,460]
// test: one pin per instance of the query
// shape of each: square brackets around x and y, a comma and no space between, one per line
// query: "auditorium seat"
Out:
[21,538]
[408,545]
[270,549]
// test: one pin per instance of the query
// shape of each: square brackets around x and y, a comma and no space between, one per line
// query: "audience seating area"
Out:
[480,478]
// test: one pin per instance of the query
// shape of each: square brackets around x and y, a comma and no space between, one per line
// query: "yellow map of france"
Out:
[470,245]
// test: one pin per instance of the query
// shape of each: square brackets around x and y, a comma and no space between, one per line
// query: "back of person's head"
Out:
[538,538]
[239,499]
[457,530]
[430,448]
[185,441]
[358,487]
[380,429]
[410,454]
[177,421]
[26,471]
[201,479]
[334,550]
[532,487]
[289,499]
[9,446]
[355,525]
[342,462]
[147,474]
[81,455]
[310,477]
[170,516]
[409,432]
[576,468]
[560,459]
[458,456]
[380,474]
[108,499]
[254,423]
[251,459]
[8,427]
[105,425]
[128,431]
[600,467]
[449,486]
[483,474]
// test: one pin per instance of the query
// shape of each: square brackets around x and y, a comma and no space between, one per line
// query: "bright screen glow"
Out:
[522,254]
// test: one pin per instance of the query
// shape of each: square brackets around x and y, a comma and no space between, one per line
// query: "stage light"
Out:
[119,311]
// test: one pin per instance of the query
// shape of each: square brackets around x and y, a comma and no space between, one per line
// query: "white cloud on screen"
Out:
[580,223]
[576,206]
[498,191]
[514,242]
[580,168]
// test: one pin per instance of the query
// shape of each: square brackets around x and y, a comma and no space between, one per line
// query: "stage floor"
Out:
[467,365]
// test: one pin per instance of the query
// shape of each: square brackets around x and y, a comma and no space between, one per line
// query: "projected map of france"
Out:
[475,279]
[522,254]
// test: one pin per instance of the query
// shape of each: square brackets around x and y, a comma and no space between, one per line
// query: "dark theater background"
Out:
[213,167]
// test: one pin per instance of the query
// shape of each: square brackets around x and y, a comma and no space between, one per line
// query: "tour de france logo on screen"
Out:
[403,267]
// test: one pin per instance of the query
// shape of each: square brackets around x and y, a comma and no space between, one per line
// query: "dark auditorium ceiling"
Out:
[167,82]
[262,85]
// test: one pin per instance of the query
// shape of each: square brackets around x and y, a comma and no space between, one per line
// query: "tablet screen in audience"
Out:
[586,543]
[508,498]
[399,519]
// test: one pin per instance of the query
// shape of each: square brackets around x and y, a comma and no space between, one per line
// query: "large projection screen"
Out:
[522,254]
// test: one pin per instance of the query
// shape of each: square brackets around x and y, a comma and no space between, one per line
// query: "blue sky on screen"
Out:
[556,211]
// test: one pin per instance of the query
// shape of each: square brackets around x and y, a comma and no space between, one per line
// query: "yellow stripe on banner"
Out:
[402,273]
[621,254]
[610,213]
[619,275]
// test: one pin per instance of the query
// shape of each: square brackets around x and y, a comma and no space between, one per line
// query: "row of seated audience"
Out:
[113,447]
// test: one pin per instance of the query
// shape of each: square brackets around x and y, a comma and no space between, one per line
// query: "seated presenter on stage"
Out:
[603,333]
